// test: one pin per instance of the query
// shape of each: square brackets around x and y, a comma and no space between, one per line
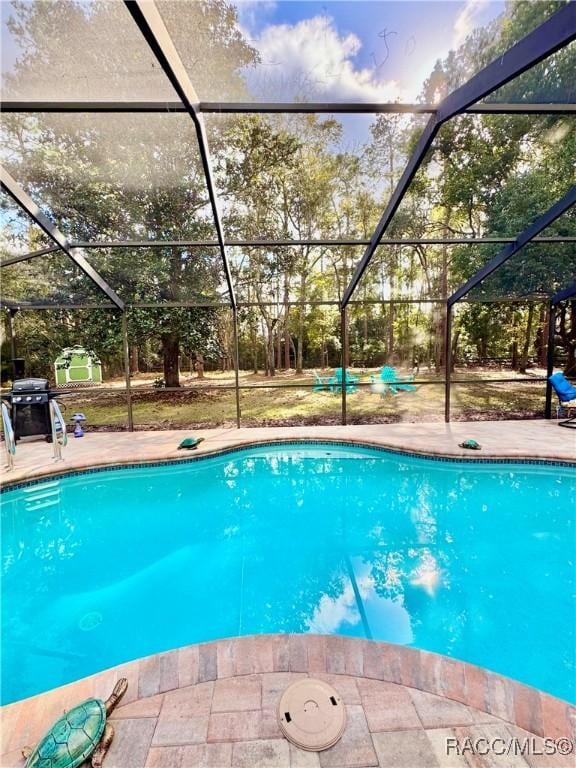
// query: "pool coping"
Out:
[501,697]
[246,445]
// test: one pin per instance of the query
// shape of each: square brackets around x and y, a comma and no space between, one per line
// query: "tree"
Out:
[126,177]
[282,185]
[289,177]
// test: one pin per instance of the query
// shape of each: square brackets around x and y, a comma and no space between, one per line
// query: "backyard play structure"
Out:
[555,34]
[76,367]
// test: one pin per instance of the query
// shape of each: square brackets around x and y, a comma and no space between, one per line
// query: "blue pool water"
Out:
[473,561]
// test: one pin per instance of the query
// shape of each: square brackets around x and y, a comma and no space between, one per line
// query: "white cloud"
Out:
[467,20]
[251,12]
[332,613]
[310,59]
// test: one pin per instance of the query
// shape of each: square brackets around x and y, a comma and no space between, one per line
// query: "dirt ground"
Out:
[212,401]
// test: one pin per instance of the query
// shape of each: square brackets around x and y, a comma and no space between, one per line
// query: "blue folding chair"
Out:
[390,378]
[322,383]
[566,398]
[351,381]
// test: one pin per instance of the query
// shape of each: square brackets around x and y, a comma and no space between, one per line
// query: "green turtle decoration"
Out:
[190,443]
[80,733]
[471,445]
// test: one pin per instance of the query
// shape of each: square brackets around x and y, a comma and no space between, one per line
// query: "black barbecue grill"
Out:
[29,409]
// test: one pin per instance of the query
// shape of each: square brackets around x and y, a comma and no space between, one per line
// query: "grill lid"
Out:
[30,385]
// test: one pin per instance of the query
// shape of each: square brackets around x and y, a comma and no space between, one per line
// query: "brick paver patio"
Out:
[214,705]
[538,439]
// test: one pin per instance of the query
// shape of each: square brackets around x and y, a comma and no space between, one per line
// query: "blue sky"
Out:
[344,50]
[371,50]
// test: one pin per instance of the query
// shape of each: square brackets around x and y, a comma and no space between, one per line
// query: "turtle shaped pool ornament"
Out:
[80,733]
[472,445]
[190,443]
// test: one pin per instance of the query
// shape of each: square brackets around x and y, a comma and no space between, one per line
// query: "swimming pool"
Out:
[475,561]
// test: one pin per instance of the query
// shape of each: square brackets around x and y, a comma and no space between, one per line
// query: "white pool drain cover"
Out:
[312,714]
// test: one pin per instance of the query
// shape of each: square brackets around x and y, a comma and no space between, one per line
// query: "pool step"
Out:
[42,496]
[42,505]
[34,489]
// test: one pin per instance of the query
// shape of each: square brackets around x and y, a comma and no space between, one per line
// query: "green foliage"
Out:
[196,328]
[280,177]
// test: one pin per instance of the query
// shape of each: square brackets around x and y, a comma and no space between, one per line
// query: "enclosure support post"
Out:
[344,342]
[11,313]
[127,372]
[447,361]
[550,359]
[236,365]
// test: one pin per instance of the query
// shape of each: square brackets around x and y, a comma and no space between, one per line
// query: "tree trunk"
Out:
[542,337]
[148,354]
[391,322]
[439,332]
[199,366]
[278,347]
[514,345]
[440,315]
[254,347]
[526,348]
[567,332]
[514,353]
[270,351]
[444,295]
[455,341]
[287,348]
[300,337]
[365,324]
[170,352]
[270,367]
[570,369]
[299,349]
[134,366]
[286,333]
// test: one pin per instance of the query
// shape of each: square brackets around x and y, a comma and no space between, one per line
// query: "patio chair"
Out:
[389,377]
[566,398]
[322,383]
[351,381]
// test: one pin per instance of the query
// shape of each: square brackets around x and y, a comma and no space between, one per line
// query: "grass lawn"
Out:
[211,401]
